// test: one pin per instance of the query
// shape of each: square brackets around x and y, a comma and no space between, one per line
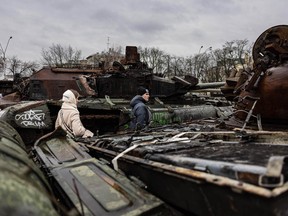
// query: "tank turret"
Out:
[120,79]
[262,91]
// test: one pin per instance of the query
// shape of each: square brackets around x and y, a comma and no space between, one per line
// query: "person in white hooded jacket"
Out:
[69,117]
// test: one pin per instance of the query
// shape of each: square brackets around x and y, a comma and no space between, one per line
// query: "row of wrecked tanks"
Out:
[105,97]
[198,159]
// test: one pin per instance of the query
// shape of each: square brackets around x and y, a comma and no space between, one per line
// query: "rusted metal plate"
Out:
[50,83]
[229,158]
[196,191]
[271,90]
[132,56]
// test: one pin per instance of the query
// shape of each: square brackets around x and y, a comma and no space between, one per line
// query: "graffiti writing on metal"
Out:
[31,118]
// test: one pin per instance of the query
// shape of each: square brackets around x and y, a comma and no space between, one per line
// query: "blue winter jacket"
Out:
[140,113]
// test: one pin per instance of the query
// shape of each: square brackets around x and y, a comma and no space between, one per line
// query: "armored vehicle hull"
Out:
[33,119]
[205,173]
[89,185]
[199,167]
[24,189]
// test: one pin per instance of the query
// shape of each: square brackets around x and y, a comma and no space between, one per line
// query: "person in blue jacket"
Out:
[141,115]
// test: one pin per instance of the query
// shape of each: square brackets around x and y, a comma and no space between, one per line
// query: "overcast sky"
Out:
[178,27]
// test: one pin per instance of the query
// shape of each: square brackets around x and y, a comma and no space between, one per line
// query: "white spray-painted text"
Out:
[31,118]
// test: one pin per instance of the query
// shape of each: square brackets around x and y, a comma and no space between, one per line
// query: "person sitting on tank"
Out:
[141,115]
[68,117]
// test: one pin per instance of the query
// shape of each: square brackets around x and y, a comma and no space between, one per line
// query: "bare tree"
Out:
[188,65]
[224,61]
[167,66]
[58,55]
[208,66]
[232,55]
[177,64]
[18,68]
[155,58]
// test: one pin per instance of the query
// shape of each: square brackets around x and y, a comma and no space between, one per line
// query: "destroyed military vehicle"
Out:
[105,97]
[208,166]
[260,93]
[117,80]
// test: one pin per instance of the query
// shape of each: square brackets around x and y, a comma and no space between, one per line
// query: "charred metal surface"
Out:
[237,168]
[195,192]
[223,157]
[6,87]
[132,56]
